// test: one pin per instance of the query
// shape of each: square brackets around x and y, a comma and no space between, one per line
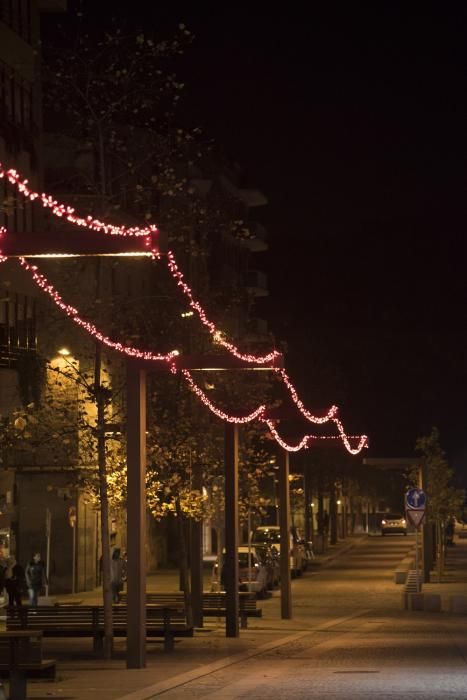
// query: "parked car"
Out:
[252,572]
[393,523]
[270,535]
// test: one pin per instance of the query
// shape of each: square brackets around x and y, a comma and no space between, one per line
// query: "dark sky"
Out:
[351,118]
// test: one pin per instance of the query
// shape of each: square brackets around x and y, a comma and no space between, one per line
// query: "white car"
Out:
[271,535]
[252,573]
[393,523]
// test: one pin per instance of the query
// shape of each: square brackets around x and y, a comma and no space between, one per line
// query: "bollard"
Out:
[415,601]
[458,604]
[432,602]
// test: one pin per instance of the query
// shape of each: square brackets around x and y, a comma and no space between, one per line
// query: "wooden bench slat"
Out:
[213,603]
[80,621]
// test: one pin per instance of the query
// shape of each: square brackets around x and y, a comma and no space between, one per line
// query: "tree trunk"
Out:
[104,501]
[103,171]
[440,549]
[344,517]
[333,515]
[308,510]
[320,509]
[184,562]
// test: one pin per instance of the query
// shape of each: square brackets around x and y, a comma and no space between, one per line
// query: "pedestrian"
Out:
[117,569]
[3,568]
[14,582]
[125,567]
[36,578]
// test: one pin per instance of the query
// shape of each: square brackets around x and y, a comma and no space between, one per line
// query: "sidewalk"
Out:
[81,676]
[167,580]
[454,578]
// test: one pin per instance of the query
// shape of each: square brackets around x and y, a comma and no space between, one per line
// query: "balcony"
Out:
[17,329]
[258,331]
[258,242]
[256,283]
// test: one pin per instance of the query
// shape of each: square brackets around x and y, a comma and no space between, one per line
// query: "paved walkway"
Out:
[81,676]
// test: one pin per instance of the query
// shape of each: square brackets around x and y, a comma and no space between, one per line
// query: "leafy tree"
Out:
[116,101]
[444,501]
[14,431]
[113,98]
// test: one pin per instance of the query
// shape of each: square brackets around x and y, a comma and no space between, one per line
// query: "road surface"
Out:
[349,639]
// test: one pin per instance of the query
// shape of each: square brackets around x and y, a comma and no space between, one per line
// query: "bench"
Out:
[213,603]
[21,656]
[88,621]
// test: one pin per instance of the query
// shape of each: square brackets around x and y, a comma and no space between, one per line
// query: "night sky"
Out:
[351,118]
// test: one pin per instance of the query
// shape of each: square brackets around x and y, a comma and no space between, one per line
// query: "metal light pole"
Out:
[284,520]
[136,518]
[231,530]
[48,529]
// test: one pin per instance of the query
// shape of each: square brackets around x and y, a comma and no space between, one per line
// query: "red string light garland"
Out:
[300,405]
[73,313]
[258,414]
[217,335]
[64,211]
[67,212]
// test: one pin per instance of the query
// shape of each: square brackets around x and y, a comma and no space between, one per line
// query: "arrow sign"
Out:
[415,499]
[415,517]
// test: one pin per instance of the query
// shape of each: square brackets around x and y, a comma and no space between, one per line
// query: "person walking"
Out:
[3,569]
[36,578]
[14,582]
[117,571]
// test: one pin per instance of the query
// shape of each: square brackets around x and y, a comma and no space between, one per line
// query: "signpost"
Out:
[415,504]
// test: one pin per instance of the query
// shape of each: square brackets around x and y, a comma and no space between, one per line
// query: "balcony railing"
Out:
[17,328]
[257,283]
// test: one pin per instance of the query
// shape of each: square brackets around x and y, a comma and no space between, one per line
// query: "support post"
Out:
[332,515]
[427,531]
[196,557]
[284,523]
[308,508]
[136,515]
[48,529]
[231,530]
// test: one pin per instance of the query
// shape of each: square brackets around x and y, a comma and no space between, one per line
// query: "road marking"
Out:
[152,691]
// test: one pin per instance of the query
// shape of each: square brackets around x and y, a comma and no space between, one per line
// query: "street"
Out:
[359,643]
[349,638]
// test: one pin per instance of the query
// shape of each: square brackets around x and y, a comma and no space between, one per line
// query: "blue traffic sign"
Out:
[416,499]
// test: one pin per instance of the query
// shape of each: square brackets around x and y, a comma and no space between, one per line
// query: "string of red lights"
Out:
[73,313]
[258,414]
[63,211]
[215,332]
[254,415]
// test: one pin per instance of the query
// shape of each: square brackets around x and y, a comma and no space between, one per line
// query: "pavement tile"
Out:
[80,676]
